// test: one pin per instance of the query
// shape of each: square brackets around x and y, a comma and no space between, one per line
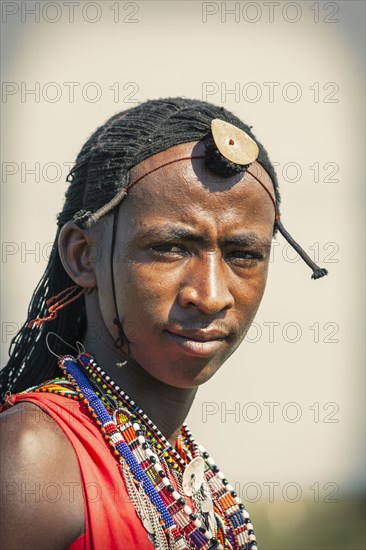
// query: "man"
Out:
[159,266]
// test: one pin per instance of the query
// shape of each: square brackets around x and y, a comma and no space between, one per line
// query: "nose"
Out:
[206,285]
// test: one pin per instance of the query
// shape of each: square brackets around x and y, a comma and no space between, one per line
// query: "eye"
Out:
[168,250]
[245,258]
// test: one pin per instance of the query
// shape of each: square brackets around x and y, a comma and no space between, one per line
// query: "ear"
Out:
[77,252]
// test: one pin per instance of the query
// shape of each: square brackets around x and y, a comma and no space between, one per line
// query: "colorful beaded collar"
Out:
[180,495]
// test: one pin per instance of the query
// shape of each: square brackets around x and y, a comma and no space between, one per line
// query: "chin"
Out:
[189,375]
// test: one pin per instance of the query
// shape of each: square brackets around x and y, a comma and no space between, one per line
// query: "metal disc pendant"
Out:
[233,143]
[148,525]
[207,505]
[193,476]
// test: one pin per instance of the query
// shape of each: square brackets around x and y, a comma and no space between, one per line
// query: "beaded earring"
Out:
[60,301]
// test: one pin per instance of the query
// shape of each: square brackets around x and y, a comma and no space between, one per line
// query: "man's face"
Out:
[190,265]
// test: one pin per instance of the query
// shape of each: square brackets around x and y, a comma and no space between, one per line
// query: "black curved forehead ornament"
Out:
[230,151]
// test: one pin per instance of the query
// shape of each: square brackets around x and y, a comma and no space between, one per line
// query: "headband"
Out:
[231,147]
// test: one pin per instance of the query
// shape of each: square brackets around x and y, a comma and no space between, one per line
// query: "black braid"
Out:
[101,170]
[28,347]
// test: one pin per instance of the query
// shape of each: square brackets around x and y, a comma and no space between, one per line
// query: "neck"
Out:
[166,406]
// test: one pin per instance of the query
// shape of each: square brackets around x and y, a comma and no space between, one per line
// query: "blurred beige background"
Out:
[284,418]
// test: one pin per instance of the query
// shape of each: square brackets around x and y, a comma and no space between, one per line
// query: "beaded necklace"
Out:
[158,477]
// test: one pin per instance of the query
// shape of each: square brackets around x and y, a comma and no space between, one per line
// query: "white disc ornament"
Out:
[193,476]
[207,505]
[148,525]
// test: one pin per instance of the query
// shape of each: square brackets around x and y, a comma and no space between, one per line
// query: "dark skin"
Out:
[190,267]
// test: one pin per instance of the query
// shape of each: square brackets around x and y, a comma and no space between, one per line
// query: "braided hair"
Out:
[100,172]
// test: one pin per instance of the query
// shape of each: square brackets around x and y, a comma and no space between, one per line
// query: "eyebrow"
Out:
[171,232]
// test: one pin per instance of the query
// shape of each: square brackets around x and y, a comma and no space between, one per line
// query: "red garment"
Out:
[78,544]
[111,522]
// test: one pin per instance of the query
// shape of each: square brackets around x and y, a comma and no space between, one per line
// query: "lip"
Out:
[201,343]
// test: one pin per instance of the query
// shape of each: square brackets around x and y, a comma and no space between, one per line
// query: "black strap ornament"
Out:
[231,151]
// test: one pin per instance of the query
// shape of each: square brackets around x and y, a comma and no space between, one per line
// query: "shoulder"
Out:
[41,485]
[28,433]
